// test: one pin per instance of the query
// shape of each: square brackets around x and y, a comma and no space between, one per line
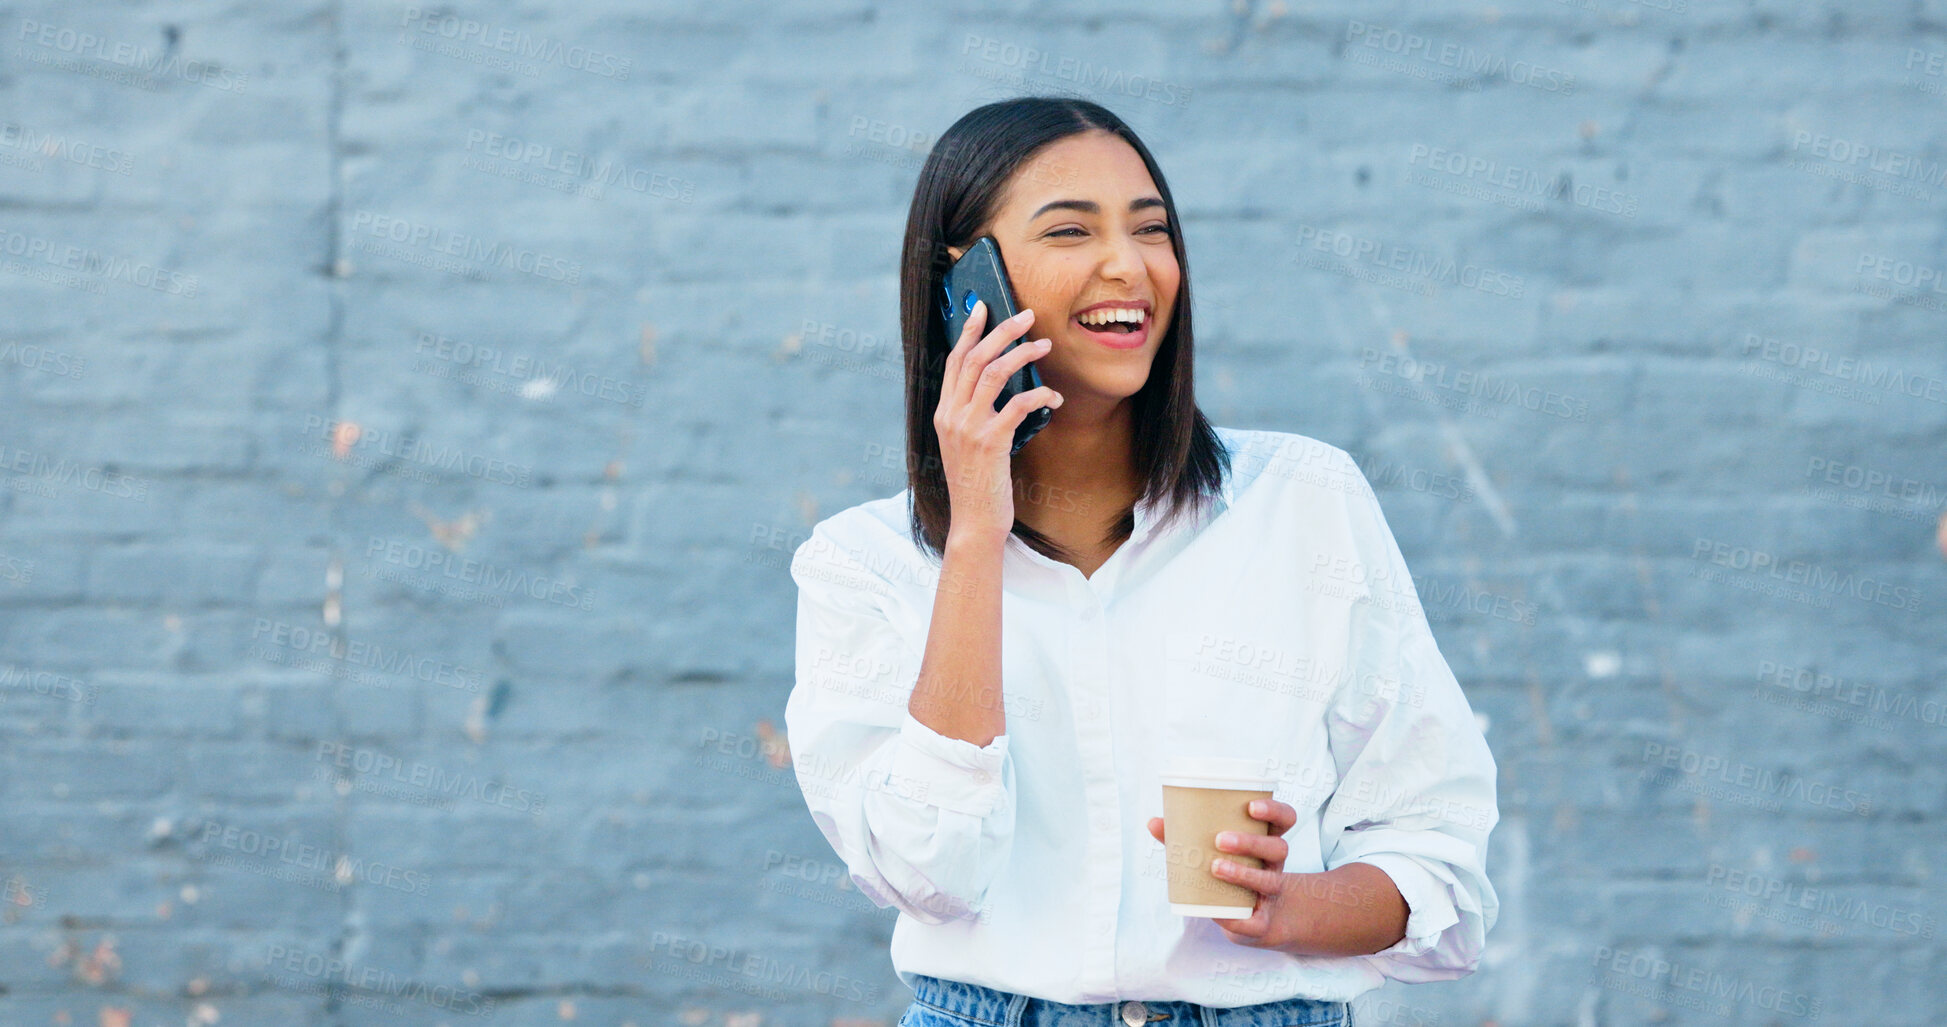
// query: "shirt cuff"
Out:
[1429,902]
[951,773]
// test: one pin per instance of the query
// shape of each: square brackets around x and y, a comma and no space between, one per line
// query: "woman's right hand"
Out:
[977,441]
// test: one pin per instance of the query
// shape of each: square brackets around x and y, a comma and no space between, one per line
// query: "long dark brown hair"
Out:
[1176,449]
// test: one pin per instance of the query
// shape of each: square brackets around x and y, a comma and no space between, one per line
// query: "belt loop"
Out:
[1207,1015]
[1017,1007]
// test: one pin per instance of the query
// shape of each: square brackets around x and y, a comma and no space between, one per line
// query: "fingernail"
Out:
[1227,838]
[1220,866]
[1257,806]
[1024,316]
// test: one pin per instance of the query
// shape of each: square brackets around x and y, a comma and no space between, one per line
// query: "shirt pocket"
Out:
[1237,694]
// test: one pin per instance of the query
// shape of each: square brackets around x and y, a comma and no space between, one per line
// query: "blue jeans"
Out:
[943,1003]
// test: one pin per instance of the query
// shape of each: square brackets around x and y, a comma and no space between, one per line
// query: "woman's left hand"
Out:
[1270,924]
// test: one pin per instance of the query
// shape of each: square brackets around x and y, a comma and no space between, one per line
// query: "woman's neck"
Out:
[1079,467]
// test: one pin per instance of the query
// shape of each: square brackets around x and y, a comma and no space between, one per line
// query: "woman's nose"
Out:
[1124,260]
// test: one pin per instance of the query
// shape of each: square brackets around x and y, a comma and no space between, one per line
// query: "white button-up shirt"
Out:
[1282,627]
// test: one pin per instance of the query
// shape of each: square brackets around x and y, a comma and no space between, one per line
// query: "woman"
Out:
[993,664]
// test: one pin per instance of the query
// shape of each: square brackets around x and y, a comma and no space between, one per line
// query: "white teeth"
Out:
[1133,315]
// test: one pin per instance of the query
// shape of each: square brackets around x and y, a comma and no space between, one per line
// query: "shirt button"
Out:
[1134,1013]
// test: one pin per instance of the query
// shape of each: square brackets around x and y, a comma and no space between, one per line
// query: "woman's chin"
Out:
[1097,390]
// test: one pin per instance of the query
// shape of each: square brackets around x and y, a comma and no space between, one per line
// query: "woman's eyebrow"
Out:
[1091,207]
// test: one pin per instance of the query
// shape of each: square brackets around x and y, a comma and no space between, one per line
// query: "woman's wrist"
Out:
[974,542]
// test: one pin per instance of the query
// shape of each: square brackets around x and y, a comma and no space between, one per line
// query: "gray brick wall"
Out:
[408,412]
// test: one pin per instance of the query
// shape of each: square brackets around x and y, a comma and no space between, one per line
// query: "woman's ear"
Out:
[954,252]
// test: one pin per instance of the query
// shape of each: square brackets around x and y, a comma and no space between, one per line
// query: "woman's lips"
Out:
[1116,340]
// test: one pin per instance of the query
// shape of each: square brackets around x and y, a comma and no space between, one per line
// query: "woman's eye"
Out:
[1164,229]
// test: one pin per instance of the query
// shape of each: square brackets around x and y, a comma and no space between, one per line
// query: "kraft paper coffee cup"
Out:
[1203,795]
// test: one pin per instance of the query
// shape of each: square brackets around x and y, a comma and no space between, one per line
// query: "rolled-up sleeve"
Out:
[922,821]
[1416,789]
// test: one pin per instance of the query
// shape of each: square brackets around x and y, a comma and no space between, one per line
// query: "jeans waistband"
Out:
[989,1007]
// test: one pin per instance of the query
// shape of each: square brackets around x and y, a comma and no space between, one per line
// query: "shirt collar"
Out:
[1149,511]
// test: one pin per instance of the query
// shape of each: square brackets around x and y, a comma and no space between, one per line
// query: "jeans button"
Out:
[1134,1014]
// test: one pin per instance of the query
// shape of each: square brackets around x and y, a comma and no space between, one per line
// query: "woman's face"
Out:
[1082,227]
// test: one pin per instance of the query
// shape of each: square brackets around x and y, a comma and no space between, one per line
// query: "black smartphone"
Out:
[980,275]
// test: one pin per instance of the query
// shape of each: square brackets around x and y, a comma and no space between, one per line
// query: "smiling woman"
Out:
[1155,598]
[1086,226]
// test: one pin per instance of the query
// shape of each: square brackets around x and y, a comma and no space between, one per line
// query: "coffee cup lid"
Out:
[1219,771]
